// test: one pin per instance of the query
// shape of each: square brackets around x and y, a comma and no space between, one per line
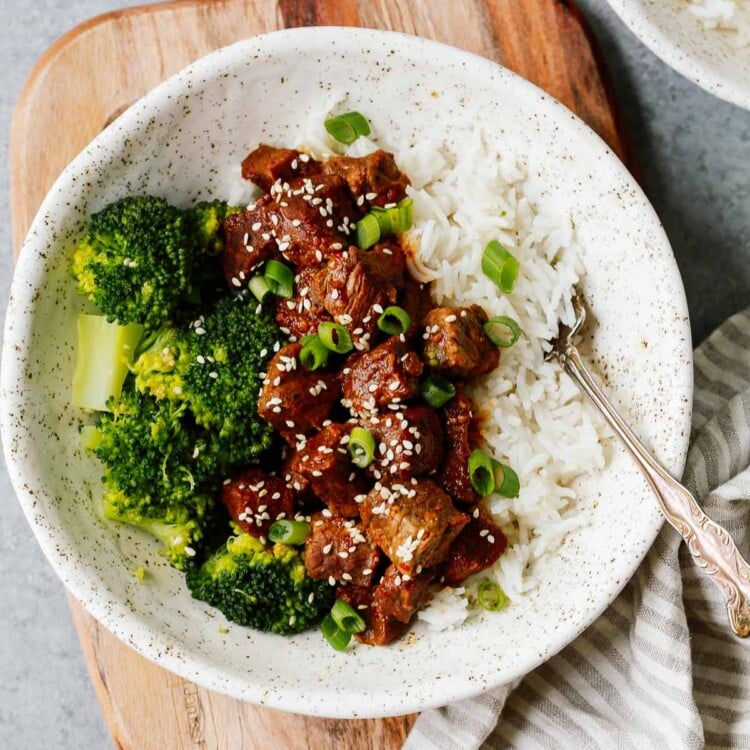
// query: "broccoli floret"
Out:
[260,587]
[142,259]
[207,218]
[159,475]
[180,533]
[214,367]
[154,453]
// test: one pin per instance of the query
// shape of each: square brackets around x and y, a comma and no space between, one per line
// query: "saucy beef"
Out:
[413,523]
[312,218]
[325,463]
[453,474]
[255,500]
[357,285]
[374,179]
[266,164]
[301,314]
[479,545]
[248,242]
[294,400]
[389,373]
[455,342]
[409,442]
[387,531]
[416,299]
[338,549]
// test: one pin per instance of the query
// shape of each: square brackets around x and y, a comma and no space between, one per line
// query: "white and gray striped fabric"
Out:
[660,668]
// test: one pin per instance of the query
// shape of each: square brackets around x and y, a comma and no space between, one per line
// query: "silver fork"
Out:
[710,545]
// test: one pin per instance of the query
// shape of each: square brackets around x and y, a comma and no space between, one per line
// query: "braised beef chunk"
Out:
[358,285]
[295,401]
[386,374]
[266,164]
[301,314]
[337,548]
[381,629]
[325,462]
[453,474]
[399,596]
[255,500]
[413,523]
[248,242]
[410,442]
[478,546]
[416,299]
[374,178]
[312,218]
[455,342]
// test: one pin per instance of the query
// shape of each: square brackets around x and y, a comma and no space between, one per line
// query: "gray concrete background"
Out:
[695,155]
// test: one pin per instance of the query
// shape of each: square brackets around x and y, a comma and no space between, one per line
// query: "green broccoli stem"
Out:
[104,355]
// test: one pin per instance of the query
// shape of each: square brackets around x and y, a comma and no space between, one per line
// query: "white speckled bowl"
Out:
[707,57]
[182,141]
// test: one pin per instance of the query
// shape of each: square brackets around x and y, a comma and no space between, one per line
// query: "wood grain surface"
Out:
[99,68]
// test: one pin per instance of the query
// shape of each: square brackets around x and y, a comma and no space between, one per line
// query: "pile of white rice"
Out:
[731,16]
[535,419]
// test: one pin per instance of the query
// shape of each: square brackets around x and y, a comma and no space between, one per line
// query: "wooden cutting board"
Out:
[99,68]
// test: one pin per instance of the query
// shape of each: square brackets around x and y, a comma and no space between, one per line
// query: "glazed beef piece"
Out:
[416,299]
[388,373]
[256,499]
[455,342]
[375,178]
[312,218]
[399,596]
[357,285]
[338,550]
[248,242]
[393,603]
[453,474]
[301,314]
[294,400]
[478,546]
[266,164]
[325,463]
[413,523]
[409,442]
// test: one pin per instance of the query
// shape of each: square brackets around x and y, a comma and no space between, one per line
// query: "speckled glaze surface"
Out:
[707,57]
[183,141]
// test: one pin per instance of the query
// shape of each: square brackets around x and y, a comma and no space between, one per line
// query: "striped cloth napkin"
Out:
[660,668]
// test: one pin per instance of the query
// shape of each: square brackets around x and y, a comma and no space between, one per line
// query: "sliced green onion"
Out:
[289,532]
[313,354]
[346,618]
[368,231]
[338,638]
[394,320]
[510,485]
[361,447]
[348,127]
[383,215]
[259,287]
[335,337]
[279,277]
[490,596]
[500,266]
[437,390]
[502,331]
[402,216]
[91,437]
[481,473]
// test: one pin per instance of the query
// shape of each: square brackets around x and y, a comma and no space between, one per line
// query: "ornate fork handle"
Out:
[710,545]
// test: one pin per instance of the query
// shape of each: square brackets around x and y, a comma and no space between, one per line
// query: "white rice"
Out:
[535,419]
[730,16]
